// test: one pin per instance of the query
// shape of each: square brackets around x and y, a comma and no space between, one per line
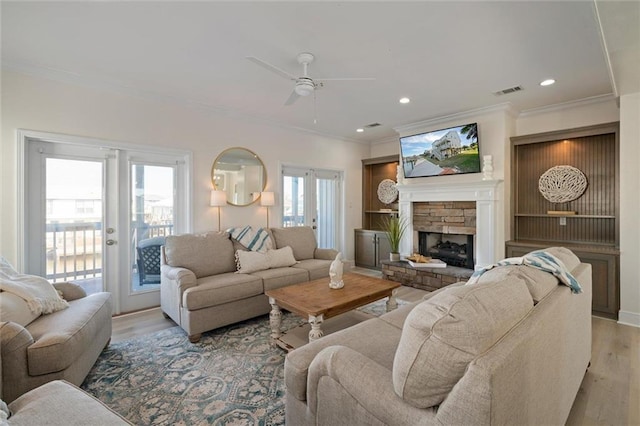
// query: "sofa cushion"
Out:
[281,277]
[317,268]
[301,239]
[539,283]
[15,308]
[220,289]
[279,258]
[205,254]
[444,333]
[61,337]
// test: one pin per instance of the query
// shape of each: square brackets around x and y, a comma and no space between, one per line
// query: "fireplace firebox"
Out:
[454,249]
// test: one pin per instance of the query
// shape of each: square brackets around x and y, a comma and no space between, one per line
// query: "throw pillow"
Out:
[443,334]
[258,240]
[251,261]
[282,257]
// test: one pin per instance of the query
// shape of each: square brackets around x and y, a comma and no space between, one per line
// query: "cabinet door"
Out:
[365,248]
[604,271]
[384,248]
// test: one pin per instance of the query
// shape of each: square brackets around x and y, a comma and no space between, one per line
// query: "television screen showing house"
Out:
[442,152]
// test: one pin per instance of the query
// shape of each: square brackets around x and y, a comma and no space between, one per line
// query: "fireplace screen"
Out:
[449,248]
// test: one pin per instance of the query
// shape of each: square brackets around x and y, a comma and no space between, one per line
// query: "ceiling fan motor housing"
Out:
[304,86]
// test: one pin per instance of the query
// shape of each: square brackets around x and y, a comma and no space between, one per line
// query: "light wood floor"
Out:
[610,391]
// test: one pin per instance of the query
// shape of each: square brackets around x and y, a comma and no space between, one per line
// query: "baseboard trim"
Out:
[629,318]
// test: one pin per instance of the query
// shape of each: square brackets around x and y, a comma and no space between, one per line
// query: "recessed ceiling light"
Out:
[405,100]
[359,130]
[547,82]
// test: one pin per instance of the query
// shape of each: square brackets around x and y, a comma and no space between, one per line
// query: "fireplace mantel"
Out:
[489,212]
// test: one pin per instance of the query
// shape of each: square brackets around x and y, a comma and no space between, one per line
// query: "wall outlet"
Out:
[563,221]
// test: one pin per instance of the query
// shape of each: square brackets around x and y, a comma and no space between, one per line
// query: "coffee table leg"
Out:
[275,318]
[315,333]
[391,303]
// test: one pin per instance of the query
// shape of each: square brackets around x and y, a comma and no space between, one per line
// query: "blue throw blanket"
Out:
[538,259]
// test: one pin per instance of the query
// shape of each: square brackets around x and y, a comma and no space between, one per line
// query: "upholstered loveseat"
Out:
[511,348]
[201,289]
[60,345]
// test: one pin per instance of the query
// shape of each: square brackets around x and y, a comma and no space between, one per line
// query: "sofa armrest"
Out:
[365,381]
[70,291]
[182,278]
[325,254]
[14,342]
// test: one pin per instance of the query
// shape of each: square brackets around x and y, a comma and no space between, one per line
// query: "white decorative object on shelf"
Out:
[561,184]
[387,191]
[487,167]
[335,273]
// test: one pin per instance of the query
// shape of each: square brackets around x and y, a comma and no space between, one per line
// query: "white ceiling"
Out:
[448,57]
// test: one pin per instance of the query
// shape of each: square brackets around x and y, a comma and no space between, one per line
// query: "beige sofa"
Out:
[61,345]
[510,349]
[201,290]
[59,403]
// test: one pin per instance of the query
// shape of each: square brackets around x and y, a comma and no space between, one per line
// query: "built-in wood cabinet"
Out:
[590,227]
[374,171]
[372,247]
[371,244]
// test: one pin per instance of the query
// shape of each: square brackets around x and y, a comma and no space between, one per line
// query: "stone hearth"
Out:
[428,279]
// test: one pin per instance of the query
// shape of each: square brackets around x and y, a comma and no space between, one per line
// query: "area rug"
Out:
[233,376]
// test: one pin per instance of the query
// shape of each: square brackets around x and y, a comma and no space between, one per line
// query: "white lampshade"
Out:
[267,199]
[218,198]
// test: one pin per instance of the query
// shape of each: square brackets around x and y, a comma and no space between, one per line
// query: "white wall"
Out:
[35,103]
[629,208]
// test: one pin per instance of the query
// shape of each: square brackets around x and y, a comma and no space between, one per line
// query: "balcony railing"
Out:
[74,250]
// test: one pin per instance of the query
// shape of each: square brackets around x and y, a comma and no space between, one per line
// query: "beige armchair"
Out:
[61,345]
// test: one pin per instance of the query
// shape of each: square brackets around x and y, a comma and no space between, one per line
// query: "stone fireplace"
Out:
[463,208]
[445,230]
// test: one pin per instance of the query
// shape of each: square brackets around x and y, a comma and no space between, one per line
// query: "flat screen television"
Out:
[449,151]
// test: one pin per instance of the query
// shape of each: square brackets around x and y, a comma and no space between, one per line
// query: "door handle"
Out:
[111,242]
[314,227]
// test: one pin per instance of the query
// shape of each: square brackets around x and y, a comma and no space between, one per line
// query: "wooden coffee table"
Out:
[316,302]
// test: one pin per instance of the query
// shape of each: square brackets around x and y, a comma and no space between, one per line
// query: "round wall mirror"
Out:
[241,174]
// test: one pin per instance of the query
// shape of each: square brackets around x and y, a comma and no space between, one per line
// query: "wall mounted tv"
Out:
[449,151]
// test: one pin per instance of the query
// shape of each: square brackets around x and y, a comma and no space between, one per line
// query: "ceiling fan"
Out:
[304,85]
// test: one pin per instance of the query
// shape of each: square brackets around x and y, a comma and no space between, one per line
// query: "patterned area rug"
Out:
[233,376]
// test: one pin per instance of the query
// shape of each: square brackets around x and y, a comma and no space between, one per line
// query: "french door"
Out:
[97,215]
[313,197]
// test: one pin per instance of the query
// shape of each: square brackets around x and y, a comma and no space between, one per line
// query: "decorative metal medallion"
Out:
[561,184]
[387,191]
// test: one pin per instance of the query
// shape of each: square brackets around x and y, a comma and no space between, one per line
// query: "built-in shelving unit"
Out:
[591,229]
[371,243]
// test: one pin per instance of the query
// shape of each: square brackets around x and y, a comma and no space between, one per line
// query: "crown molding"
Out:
[506,107]
[76,79]
[388,139]
[571,104]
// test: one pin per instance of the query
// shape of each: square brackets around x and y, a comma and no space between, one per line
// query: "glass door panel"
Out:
[152,219]
[293,200]
[74,221]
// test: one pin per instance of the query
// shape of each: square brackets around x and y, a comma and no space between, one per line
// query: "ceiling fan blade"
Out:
[345,79]
[271,68]
[292,98]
